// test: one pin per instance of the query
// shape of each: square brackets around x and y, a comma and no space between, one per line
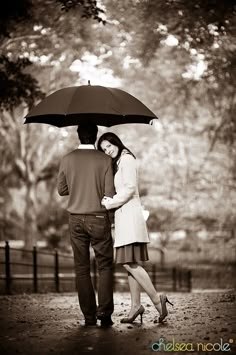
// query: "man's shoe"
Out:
[90,322]
[106,321]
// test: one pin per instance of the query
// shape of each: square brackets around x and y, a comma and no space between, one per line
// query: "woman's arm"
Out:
[129,179]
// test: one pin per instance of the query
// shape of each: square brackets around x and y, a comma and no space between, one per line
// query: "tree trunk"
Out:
[30,217]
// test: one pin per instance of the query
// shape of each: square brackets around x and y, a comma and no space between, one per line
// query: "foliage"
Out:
[198,33]
[90,9]
[17,19]
[17,87]
[11,13]
[29,29]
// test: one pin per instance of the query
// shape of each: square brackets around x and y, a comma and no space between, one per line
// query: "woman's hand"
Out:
[105,200]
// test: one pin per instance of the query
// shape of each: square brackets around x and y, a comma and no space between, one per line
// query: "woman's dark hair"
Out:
[115,140]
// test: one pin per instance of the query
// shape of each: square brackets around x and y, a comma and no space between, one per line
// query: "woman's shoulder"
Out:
[126,157]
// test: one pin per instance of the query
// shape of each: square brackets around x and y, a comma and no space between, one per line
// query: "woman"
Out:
[131,236]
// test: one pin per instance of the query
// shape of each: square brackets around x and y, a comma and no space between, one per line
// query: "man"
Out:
[86,175]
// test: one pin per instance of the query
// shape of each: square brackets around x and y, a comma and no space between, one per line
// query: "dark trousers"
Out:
[94,230]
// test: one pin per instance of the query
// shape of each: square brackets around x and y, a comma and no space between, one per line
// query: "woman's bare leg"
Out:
[135,293]
[142,277]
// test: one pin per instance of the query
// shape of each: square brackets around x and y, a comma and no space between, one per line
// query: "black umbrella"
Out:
[102,105]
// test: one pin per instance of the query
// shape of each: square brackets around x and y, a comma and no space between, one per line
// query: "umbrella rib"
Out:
[72,97]
[111,93]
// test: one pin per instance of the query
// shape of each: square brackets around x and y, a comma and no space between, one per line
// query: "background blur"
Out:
[176,56]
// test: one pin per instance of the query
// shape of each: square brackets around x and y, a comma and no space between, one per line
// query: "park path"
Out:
[40,324]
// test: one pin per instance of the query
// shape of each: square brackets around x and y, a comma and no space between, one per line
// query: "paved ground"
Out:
[53,324]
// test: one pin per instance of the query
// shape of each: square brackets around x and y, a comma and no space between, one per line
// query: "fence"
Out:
[35,271]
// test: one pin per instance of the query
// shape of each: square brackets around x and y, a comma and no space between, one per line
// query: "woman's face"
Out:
[109,149]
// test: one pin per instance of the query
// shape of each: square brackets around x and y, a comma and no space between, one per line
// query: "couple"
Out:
[96,183]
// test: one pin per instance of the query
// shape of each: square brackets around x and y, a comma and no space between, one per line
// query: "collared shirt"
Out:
[86,146]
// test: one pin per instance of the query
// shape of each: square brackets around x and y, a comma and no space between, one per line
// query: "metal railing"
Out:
[36,271]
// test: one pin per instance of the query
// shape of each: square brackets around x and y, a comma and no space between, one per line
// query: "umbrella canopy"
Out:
[102,105]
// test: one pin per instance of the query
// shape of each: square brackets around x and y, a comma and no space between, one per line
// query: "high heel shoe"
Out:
[140,312]
[164,312]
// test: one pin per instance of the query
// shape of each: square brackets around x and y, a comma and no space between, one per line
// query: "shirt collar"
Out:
[86,146]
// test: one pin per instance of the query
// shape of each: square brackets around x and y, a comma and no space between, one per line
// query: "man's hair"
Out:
[87,132]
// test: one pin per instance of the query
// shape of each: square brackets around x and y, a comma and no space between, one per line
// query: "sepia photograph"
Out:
[118,177]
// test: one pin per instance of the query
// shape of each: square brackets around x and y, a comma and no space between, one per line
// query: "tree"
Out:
[30,153]
[180,62]
[17,18]
[201,32]
[26,162]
